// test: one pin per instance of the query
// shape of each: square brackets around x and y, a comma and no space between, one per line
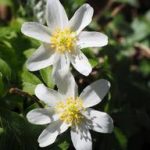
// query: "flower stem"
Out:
[24,94]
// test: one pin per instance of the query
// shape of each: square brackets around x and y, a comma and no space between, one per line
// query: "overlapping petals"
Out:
[94,120]
[64,108]
[42,58]
[49,135]
[57,19]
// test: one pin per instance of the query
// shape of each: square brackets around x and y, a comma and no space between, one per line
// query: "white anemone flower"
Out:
[62,39]
[65,109]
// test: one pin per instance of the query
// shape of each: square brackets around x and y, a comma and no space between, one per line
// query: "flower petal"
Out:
[95,92]
[61,67]
[99,121]
[66,85]
[92,39]
[82,17]
[41,58]
[81,63]
[41,116]
[63,63]
[48,96]
[49,135]
[55,15]
[36,31]
[81,138]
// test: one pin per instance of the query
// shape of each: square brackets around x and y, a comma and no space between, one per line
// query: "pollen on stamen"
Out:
[70,111]
[63,40]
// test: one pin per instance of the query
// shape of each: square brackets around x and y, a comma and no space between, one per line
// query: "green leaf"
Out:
[94,62]
[6,32]
[1,131]
[64,145]
[80,2]
[20,134]
[30,81]
[29,52]
[145,67]
[140,26]
[5,69]
[6,2]
[1,85]
[122,140]
[16,24]
[46,75]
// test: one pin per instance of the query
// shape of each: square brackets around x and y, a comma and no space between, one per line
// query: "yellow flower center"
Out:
[63,40]
[70,111]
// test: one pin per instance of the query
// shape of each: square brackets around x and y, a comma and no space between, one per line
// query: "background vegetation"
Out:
[125,62]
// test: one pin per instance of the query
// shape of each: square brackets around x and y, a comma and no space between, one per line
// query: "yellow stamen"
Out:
[63,40]
[70,111]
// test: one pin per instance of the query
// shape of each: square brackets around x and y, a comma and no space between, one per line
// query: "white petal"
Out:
[63,64]
[48,96]
[41,116]
[63,77]
[66,85]
[37,31]
[81,138]
[92,39]
[41,58]
[61,67]
[49,135]
[99,121]
[95,92]
[82,17]
[55,15]
[81,63]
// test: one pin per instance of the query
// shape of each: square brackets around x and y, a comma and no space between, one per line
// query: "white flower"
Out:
[66,109]
[63,39]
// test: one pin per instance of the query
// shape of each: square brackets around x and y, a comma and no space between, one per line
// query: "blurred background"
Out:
[125,62]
